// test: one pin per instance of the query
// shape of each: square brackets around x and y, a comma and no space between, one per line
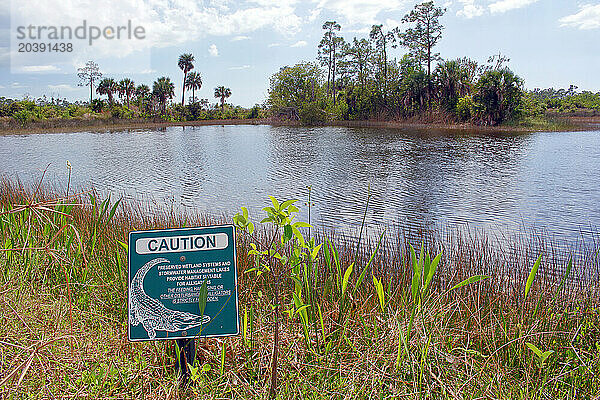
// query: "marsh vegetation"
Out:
[390,318]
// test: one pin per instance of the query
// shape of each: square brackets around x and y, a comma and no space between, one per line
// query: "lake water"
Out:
[503,183]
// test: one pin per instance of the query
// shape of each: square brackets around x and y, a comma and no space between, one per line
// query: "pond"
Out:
[500,183]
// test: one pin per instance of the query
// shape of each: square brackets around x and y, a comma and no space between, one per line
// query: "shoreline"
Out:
[562,124]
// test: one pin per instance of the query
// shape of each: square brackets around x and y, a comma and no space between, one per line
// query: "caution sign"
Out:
[182,283]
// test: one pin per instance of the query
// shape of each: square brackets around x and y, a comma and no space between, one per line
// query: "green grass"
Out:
[517,334]
[546,123]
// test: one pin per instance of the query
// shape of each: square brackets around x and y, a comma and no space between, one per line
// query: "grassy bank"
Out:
[511,335]
[83,125]
[554,124]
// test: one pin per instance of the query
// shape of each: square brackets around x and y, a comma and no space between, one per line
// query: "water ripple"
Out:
[546,181]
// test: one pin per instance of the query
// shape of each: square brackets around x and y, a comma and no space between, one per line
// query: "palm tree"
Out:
[223,93]
[163,89]
[193,81]
[186,65]
[452,82]
[126,88]
[414,90]
[107,86]
[142,91]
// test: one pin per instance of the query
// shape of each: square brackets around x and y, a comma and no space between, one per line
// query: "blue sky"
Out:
[240,44]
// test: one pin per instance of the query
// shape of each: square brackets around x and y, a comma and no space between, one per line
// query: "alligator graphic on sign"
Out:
[154,315]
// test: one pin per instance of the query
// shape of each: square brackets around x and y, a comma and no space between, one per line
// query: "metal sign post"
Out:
[168,271]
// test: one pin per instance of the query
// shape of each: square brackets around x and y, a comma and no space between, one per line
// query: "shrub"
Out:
[97,105]
[23,116]
[178,112]
[312,114]
[253,113]
[74,110]
[499,94]
[193,111]
[464,108]
[118,111]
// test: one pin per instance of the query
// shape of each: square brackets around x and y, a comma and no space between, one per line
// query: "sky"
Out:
[240,44]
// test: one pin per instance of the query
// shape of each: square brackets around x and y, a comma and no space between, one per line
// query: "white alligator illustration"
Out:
[151,313]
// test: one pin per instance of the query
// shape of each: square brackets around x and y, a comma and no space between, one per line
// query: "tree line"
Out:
[359,79]
[152,102]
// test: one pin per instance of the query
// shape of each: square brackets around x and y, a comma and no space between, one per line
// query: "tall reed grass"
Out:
[368,321]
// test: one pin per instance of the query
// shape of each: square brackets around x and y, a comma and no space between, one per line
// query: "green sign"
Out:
[168,270]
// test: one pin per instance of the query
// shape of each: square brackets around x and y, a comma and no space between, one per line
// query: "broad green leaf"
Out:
[468,281]
[546,354]
[321,320]
[421,263]
[416,279]
[346,278]
[302,308]
[426,265]
[275,203]
[287,233]
[287,203]
[431,270]
[270,210]
[380,293]
[245,324]
[202,297]
[302,225]
[298,235]
[532,275]
[314,252]
[240,220]
[534,348]
[327,254]
[113,210]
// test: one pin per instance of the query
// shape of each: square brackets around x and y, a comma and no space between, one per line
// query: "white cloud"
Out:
[502,6]
[238,68]
[391,23]
[166,23]
[148,71]
[362,31]
[39,68]
[240,37]
[213,51]
[470,9]
[300,43]
[314,14]
[274,45]
[63,87]
[588,17]
[361,12]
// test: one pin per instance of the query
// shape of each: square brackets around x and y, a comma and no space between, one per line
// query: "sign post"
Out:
[168,271]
